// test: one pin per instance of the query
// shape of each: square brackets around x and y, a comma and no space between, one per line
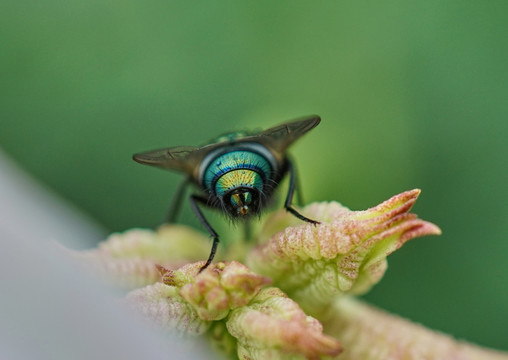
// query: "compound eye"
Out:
[236,200]
[247,198]
[241,199]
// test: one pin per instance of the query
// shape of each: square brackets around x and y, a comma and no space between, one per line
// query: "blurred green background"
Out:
[412,94]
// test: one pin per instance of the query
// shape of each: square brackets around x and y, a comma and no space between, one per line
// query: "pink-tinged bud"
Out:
[272,326]
[218,289]
[346,253]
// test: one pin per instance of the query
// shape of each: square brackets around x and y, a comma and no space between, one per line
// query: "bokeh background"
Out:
[411,93]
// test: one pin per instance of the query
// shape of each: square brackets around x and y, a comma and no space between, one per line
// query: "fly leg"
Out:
[298,184]
[289,198]
[194,199]
[176,202]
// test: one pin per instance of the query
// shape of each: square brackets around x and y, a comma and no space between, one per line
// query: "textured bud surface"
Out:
[272,326]
[162,304]
[213,292]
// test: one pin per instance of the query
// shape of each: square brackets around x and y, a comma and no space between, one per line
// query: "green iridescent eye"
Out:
[236,173]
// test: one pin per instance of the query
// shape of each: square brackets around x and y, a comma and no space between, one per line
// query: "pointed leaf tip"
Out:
[344,254]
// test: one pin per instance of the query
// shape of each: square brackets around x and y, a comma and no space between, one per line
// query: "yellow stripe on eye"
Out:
[237,178]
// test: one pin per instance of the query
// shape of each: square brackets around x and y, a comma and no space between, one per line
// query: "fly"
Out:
[237,173]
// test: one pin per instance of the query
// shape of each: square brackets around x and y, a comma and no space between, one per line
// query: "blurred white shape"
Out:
[30,211]
[49,307]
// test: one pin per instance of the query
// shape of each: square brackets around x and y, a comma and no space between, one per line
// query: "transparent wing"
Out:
[282,136]
[179,158]
[188,159]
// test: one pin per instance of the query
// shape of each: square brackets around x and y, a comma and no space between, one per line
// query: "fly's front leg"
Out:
[176,202]
[289,197]
[298,184]
[194,199]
